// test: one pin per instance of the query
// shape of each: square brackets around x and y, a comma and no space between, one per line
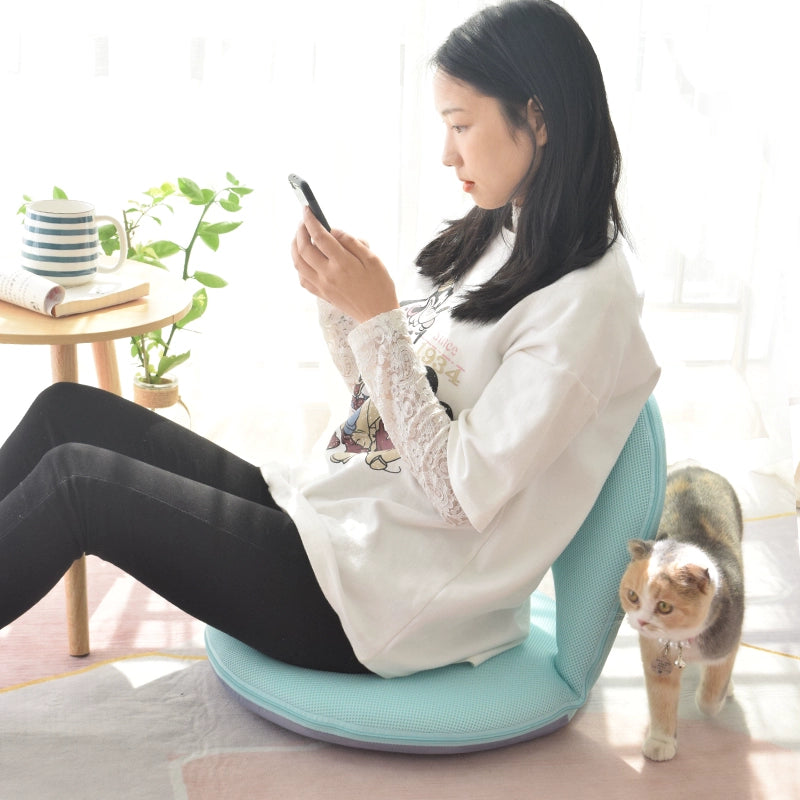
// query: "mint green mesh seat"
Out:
[528,691]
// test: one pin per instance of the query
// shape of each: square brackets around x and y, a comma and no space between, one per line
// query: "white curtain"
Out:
[105,100]
[702,94]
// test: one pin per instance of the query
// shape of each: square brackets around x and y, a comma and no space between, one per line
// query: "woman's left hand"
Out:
[342,270]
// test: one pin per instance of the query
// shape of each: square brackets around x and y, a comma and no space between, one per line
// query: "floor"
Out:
[750,751]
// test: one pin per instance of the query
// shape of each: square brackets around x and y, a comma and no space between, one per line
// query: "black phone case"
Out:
[306,196]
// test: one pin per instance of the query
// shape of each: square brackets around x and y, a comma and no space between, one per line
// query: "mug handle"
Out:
[123,244]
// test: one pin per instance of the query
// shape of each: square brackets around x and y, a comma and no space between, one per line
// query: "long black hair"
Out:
[518,51]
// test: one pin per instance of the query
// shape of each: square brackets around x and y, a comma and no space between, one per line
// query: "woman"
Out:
[488,407]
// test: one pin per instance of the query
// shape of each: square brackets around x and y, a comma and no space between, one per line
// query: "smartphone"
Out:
[306,197]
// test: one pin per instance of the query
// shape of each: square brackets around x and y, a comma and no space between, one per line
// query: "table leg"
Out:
[64,362]
[105,363]
[64,367]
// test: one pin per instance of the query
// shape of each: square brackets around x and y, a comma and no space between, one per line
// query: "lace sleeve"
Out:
[335,328]
[414,419]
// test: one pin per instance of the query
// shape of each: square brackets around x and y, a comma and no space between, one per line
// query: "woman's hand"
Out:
[342,270]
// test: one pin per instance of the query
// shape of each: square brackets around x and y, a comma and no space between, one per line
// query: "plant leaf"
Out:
[109,245]
[154,339]
[191,190]
[59,194]
[145,258]
[106,232]
[163,248]
[231,202]
[199,305]
[210,280]
[158,193]
[218,227]
[211,239]
[169,362]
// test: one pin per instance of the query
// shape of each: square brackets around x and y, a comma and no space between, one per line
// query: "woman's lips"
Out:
[468,185]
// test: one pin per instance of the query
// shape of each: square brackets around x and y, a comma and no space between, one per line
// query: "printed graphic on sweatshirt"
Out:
[422,313]
[363,433]
[437,352]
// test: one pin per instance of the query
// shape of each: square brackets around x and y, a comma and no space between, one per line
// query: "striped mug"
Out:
[60,241]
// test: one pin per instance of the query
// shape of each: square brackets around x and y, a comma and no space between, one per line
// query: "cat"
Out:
[684,595]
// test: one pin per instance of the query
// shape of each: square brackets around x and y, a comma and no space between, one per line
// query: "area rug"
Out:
[145,717]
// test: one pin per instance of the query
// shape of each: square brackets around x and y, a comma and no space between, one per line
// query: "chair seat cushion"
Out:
[514,696]
[528,691]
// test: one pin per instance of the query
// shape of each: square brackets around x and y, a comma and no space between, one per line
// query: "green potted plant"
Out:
[154,352]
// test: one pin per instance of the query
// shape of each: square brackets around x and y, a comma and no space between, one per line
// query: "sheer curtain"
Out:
[700,92]
[108,100]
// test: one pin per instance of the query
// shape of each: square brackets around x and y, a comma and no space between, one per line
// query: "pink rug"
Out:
[145,717]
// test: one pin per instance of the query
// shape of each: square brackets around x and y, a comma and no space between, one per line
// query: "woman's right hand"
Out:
[342,270]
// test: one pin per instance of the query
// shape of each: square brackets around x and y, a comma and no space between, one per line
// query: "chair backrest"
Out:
[586,575]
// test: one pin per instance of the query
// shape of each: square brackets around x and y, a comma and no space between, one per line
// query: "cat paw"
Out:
[660,748]
[711,706]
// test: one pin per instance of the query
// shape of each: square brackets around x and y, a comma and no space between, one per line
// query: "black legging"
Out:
[86,471]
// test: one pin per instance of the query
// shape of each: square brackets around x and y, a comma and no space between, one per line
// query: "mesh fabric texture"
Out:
[528,691]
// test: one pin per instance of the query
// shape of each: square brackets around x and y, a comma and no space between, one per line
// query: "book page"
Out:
[107,289]
[101,286]
[30,291]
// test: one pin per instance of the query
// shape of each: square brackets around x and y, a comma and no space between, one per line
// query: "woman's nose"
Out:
[450,157]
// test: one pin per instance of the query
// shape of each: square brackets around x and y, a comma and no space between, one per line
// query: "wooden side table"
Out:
[169,300]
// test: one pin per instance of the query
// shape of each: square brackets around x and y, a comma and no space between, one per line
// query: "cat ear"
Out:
[697,575]
[639,549]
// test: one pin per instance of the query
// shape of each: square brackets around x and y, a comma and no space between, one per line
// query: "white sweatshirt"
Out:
[428,535]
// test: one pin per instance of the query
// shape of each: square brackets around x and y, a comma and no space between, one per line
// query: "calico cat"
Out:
[684,595]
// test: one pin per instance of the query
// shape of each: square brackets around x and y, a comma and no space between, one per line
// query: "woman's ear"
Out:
[536,121]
